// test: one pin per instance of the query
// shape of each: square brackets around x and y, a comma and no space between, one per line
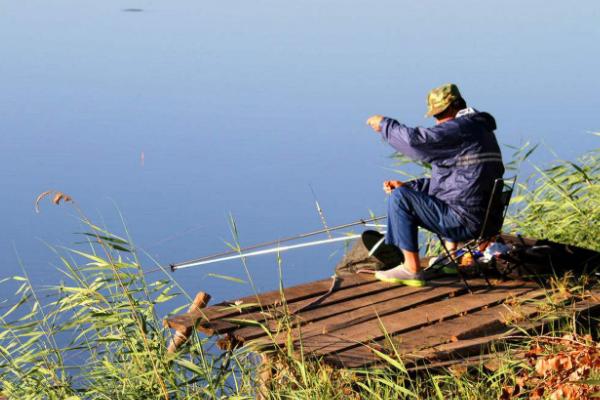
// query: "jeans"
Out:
[408,209]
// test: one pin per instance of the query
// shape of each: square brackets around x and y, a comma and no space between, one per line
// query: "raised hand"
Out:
[389,186]
[375,122]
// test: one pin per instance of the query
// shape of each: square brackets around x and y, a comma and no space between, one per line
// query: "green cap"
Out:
[440,98]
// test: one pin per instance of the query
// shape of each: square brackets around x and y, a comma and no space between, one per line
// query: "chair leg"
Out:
[464,279]
[480,270]
[460,272]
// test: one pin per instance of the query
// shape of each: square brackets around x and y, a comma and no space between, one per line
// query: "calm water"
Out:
[239,107]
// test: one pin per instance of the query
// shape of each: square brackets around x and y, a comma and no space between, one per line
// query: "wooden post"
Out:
[181,336]
[265,374]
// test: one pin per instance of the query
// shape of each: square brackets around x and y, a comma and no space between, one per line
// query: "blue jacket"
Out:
[465,161]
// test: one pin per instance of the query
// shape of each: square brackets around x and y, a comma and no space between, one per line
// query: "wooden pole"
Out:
[182,336]
[265,374]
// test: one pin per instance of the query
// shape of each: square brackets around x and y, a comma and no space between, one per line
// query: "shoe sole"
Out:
[406,282]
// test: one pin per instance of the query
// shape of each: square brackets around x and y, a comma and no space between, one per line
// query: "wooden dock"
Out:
[363,320]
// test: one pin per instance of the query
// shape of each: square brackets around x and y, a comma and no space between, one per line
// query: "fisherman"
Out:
[465,161]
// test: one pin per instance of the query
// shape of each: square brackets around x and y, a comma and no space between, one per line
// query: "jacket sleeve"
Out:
[421,144]
[420,185]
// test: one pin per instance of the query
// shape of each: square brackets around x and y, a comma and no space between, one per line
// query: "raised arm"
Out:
[422,144]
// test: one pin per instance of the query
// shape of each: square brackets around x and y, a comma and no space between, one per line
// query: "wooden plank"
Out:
[467,345]
[476,360]
[482,322]
[395,317]
[303,292]
[359,308]
[469,361]
[371,289]
[463,348]
[414,318]
[365,310]
[257,302]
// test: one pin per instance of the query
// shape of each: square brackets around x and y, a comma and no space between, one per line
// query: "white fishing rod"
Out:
[252,251]
[267,251]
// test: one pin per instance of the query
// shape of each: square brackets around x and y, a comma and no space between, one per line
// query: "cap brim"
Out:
[436,111]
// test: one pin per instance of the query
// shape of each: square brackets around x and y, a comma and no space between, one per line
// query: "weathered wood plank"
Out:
[257,302]
[396,315]
[359,308]
[483,322]
[469,341]
[345,337]
[371,289]
[471,361]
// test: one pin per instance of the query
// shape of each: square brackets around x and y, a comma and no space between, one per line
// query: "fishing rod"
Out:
[250,250]
[265,251]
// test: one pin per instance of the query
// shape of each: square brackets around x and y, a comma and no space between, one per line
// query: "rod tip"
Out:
[173,268]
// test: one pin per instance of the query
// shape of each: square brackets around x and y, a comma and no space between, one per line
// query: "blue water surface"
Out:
[185,112]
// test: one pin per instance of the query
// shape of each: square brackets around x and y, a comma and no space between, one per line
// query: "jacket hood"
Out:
[484,119]
[480,117]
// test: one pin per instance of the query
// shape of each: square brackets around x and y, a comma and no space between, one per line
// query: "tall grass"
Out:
[561,202]
[97,334]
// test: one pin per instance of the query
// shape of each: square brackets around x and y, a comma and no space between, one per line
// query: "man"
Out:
[465,161]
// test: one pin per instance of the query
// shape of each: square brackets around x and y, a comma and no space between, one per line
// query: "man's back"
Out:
[465,181]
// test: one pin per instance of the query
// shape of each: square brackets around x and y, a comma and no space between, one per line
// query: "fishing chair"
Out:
[492,224]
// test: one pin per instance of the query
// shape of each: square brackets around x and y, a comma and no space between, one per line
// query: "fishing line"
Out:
[175,235]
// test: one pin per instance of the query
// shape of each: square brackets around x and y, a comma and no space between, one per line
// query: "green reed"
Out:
[561,202]
[104,311]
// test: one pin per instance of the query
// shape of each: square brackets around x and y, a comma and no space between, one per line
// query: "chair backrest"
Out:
[497,207]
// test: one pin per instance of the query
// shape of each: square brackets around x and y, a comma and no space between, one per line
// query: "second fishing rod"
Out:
[237,252]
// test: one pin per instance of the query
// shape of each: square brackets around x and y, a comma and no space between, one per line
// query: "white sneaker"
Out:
[401,275]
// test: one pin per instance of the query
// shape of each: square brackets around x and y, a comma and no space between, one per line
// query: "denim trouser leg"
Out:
[408,209]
